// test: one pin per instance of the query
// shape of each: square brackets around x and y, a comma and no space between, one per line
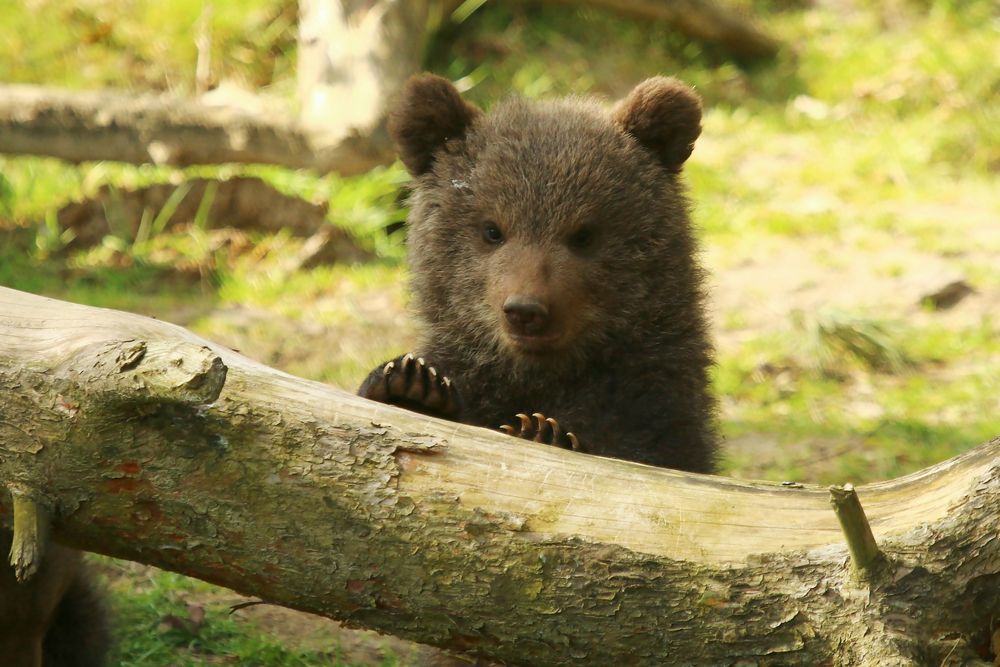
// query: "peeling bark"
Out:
[154,445]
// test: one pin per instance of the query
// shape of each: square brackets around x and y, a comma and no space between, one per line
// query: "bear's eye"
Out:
[582,238]
[492,233]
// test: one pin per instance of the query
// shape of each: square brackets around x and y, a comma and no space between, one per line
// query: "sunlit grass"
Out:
[144,43]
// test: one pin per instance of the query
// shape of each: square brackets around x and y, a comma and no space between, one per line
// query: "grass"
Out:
[145,44]
[178,621]
[831,416]
[827,184]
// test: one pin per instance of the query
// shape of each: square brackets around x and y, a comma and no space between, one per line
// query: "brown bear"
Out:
[56,618]
[554,271]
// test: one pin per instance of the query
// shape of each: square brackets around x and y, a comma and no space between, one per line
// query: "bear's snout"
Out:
[526,316]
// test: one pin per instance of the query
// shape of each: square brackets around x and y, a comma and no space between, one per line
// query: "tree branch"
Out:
[451,535]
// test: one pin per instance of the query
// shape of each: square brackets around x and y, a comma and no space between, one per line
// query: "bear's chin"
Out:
[532,346]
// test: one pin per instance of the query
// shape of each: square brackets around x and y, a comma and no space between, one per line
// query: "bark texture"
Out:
[151,444]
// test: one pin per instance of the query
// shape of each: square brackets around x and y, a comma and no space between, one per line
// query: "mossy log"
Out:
[143,441]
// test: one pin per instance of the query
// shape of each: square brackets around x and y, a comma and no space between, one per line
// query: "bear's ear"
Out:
[663,115]
[429,112]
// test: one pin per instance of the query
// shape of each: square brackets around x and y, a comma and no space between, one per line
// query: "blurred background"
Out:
[846,190]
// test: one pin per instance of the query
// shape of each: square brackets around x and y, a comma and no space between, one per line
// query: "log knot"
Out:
[159,371]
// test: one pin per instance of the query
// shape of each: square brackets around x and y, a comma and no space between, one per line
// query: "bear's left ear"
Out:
[664,116]
[429,112]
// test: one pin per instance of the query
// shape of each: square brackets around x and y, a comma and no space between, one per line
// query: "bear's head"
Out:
[662,114]
[543,229]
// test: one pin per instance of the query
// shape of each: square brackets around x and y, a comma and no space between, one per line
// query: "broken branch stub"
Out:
[858,533]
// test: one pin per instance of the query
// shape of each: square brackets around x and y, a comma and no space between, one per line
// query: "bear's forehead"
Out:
[528,158]
[547,167]
[553,132]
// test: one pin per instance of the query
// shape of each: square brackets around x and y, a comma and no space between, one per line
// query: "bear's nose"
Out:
[526,315]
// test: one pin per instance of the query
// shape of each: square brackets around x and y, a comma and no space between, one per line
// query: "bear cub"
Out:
[554,272]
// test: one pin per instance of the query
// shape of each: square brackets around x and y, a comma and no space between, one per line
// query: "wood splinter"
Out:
[853,522]
[31,534]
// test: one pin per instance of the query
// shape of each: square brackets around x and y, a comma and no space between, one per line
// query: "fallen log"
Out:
[143,441]
[79,126]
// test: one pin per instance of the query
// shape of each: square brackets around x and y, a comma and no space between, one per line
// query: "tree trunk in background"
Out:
[151,444]
[354,56]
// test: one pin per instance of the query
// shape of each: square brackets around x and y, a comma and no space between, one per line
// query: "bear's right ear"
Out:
[429,112]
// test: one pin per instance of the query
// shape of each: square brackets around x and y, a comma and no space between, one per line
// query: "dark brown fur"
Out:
[55,619]
[594,236]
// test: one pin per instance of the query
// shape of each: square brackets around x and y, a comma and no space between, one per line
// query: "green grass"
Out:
[881,421]
[144,43]
[873,141]
[178,621]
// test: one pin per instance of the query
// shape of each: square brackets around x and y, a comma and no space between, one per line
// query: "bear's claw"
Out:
[411,382]
[541,429]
